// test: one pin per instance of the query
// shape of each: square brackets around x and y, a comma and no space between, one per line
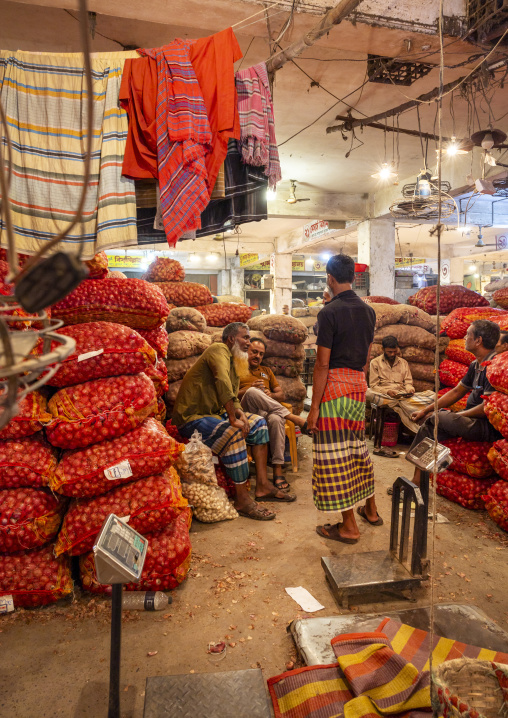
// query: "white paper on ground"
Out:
[305,599]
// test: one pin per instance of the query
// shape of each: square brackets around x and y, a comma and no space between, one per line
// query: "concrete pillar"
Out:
[224,282]
[237,281]
[281,266]
[376,247]
[457,270]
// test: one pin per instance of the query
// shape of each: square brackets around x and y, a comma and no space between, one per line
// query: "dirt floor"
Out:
[55,661]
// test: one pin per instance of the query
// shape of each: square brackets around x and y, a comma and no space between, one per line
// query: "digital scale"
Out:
[119,554]
[394,570]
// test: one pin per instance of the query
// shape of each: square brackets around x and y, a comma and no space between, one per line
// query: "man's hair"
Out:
[390,342]
[503,337]
[232,330]
[258,339]
[488,332]
[342,268]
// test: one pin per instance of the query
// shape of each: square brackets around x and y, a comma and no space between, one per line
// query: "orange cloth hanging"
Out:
[138,96]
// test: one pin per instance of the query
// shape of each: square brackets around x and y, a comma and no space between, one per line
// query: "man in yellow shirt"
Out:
[261,394]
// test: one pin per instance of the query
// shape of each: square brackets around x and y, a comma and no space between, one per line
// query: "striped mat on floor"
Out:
[386,674]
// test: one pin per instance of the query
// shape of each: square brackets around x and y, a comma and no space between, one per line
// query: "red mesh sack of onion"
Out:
[378,299]
[497,372]
[459,405]
[456,324]
[452,297]
[31,415]
[456,352]
[98,266]
[451,372]
[159,376]
[28,518]
[470,457]
[103,349]
[185,294]
[496,411]
[163,269]
[29,461]
[166,564]
[151,503]
[35,578]
[102,409]
[158,340]
[496,503]
[98,468]
[133,302]
[462,489]
[220,315]
[498,457]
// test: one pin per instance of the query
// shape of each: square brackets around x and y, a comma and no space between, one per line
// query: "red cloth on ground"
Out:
[213,61]
[138,96]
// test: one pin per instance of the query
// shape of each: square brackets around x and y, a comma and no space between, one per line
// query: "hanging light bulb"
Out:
[472,267]
[488,141]
[271,194]
[385,172]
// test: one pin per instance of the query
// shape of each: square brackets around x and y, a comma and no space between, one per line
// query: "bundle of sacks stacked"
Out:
[169,275]
[452,297]
[284,337]
[492,287]
[413,329]
[308,317]
[187,340]
[469,476]
[454,368]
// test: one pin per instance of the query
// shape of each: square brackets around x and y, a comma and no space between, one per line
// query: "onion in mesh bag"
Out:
[158,340]
[30,417]
[185,294]
[163,269]
[220,315]
[29,461]
[35,578]
[28,518]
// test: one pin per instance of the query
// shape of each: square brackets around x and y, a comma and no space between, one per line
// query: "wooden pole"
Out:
[328,21]
[348,121]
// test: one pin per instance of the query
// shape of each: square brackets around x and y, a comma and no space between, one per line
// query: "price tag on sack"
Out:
[119,471]
[6,604]
[89,355]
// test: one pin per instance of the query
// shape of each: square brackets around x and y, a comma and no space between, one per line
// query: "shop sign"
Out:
[248,259]
[501,241]
[319,266]
[408,262]
[130,261]
[298,263]
[445,271]
[315,229]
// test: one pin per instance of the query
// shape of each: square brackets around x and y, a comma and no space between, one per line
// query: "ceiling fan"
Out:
[292,194]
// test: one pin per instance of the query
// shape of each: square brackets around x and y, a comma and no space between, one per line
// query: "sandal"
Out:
[331,531]
[361,512]
[280,483]
[272,496]
[386,453]
[257,513]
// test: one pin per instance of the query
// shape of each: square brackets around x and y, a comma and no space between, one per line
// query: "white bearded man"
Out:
[208,402]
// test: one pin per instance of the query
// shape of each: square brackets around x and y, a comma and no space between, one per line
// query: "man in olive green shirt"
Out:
[208,402]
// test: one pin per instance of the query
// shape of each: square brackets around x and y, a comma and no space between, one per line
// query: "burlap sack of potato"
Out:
[407,336]
[418,355]
[308,321]
[376,351]
[178,368]
[420,385]
[424,372]
[185,318]
[170,395]
[294,389]
[279,327]
[284,367]
[401,314]
[183,344]
[314,311]
[283,349]
[227,298]
[300,312]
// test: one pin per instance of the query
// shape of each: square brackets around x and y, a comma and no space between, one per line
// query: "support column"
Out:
[237,281]
[281,266]
[457,270]
[224,282]
[376,247]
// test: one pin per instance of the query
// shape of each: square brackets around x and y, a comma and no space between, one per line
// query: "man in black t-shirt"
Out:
[472,424]
[342,473]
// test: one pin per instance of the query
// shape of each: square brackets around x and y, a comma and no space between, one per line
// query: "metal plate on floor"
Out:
[459,622]
[230,694]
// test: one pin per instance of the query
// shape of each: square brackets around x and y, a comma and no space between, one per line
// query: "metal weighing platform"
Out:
[231,694]
[459,622]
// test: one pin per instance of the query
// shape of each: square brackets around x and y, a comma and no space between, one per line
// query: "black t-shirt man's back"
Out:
[346,327]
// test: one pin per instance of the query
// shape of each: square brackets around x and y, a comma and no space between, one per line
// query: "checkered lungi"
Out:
[227,442]
[342,474]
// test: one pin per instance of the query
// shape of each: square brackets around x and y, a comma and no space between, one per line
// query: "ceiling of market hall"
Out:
[305,90]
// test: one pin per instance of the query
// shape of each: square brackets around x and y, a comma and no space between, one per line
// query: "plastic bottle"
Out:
[145,601]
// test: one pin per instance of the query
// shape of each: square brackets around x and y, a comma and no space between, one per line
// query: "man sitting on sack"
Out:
[260,393]
[472,424]
[391,384]
[207,401]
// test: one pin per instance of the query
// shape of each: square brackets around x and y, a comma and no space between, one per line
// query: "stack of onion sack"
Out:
[284,337]
[163,269]
[452,297]
[496,405]
[496,503]
[459,405]
[308,317]
[222,314]
[196,468]
[186,342]
[414,331]
[470,473]
[30,515]
[456,324]
[168,275]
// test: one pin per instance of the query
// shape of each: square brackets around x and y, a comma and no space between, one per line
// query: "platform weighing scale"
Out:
[119,555]
[393,570]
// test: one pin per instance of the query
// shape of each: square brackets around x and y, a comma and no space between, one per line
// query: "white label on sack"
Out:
[125,519]
[6,604]
[119,471]
[89,355]
[215,459]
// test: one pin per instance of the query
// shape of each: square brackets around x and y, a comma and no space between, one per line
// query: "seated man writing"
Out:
[472,424]
[208,402]
[261,394]
[391,384]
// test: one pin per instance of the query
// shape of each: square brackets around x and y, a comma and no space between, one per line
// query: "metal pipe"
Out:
[116,641]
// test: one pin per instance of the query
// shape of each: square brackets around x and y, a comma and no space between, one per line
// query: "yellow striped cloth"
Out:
[44,98]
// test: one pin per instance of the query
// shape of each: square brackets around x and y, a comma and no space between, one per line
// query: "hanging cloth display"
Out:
[44,96]
[138,95]
[183,140]
[257,144]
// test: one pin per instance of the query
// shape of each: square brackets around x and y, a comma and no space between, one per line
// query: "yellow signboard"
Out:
[130,261]
[401,262]
[248,259]
[249,262]
[319,266]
